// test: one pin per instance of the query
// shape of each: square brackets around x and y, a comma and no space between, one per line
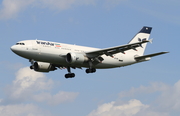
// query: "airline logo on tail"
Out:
[139,39]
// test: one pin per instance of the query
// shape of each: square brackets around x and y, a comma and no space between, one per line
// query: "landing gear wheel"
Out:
[87,71]
[93,70]
[90,70]
[69,75]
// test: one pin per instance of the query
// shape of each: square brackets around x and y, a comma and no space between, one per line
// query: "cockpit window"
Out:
[20,44]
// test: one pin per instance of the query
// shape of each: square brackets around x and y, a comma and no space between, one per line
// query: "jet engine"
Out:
[43,67]
[76,58]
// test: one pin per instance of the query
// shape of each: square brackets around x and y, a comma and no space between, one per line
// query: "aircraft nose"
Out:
[14,48]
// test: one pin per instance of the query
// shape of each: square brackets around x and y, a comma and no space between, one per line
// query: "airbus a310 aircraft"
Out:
[47,56]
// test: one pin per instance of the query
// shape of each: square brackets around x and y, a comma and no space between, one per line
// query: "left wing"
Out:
[114,50]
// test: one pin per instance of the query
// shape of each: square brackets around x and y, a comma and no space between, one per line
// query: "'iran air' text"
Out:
[45,43]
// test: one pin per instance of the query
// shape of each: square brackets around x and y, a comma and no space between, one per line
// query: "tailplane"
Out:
[142,35]
[148,57]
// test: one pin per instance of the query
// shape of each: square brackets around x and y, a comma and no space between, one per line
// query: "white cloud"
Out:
[34,86]
[11,8]
[134,107]
[31,86]
[56,99]
[167,100]
[22,110]
[26,83]
[164,103]
[154,87]
[27,78]
[114,109]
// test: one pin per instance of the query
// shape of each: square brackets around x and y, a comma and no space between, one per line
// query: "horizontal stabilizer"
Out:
[150,55]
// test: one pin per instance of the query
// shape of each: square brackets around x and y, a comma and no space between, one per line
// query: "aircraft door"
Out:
[35,48]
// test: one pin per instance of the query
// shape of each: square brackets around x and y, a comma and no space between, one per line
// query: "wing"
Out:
[115,50]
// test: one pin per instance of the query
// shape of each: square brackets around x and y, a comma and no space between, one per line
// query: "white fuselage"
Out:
[55,53]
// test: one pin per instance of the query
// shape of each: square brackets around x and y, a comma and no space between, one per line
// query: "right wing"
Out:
[114,50]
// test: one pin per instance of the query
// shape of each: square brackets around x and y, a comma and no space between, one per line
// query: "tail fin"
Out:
[142,35]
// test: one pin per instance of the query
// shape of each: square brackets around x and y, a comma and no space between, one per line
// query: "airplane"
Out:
[47,56]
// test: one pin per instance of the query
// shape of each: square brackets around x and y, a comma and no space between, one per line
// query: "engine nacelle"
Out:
[43,67]
[76,58]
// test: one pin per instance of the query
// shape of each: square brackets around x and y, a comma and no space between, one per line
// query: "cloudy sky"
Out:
[144,89]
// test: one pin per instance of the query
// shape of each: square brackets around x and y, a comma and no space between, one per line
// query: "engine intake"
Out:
[76,58]
[43,67]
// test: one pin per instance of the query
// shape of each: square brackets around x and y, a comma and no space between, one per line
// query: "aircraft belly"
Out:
[52,58]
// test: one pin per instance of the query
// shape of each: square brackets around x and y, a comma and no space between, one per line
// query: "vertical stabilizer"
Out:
[142,35]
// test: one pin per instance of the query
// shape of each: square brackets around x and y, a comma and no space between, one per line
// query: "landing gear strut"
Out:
[69,75]
[90,70]
[32,64]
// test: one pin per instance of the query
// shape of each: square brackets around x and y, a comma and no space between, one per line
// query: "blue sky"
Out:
[149,88]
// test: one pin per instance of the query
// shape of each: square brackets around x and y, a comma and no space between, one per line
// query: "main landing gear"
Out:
[69,75]
[72,75]
[90,70]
